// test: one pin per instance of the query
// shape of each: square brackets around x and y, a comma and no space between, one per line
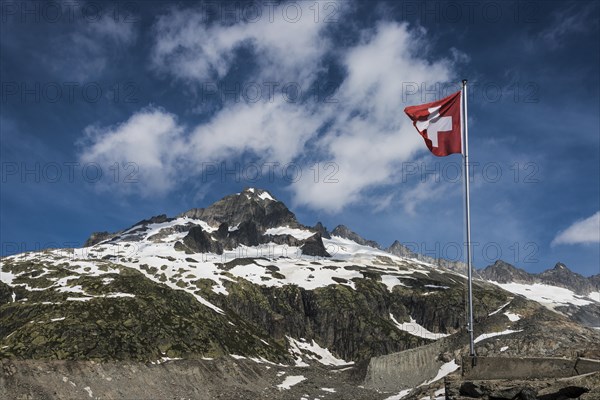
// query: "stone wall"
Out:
[406,369]
[526,368]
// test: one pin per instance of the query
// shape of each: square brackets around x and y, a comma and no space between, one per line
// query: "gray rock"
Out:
[251,204]
[200,242]
[471,389]
[503,272]
[344,232]
[313,246]
[97,237]
[322,230]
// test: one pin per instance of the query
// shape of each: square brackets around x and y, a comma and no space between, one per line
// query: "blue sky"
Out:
[178,104]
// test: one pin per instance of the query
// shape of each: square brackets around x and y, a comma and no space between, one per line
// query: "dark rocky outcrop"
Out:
[288,240]
[503,272]
[6,293]
[97,237]
[200,241]
[401,250]
[246,234]
[582,387]
[344,232]
[251,204]
[165,232]
[322,230]
[313,246]
[595,281]
[562,276]
[157,219]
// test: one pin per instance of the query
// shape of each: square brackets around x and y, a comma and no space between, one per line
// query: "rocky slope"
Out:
[244,278]
[560,276]
[401,250]
[559,289]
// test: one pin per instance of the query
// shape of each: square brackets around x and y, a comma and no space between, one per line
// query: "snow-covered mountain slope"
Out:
[244,277]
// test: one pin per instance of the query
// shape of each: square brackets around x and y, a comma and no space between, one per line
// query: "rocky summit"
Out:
[239,300]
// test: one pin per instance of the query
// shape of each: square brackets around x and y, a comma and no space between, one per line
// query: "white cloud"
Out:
[151,139]
[582,231]
[371,136]
[189,48]
[364,132]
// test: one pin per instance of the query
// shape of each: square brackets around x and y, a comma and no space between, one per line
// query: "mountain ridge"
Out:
[247,281]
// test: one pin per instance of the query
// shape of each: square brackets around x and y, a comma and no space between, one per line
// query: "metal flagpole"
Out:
[468,210]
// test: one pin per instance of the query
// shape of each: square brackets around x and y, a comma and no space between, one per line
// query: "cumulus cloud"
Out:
[582,231]
[370,136]
[190,48]
[362,134]
[147,147]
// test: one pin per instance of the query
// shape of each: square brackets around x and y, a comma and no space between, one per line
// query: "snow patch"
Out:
[445,370]
[415,329]
[290,381]
[512,316]
[595,296]
[437,287]
[299,234]
[266,196]
[400,395]
[494,334]
[390,281]
[312,351]
[498,310]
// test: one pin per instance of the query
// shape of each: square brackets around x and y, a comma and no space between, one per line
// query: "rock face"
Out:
[401,250]
[157,219]
[252,204]
[322,230]
[562,276]
[503,272]
[97,237]
[584,387]
[595,281]
[200,242]
[344,232]
[313,246]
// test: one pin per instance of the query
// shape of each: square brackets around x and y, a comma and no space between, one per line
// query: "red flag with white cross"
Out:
[439,124]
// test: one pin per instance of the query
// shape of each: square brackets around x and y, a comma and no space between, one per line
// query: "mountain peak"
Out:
[252,204]
[256,193]
[344,232]
[561,267]
[503,272]
[562,276]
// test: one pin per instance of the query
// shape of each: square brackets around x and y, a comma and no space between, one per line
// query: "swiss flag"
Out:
[439,124]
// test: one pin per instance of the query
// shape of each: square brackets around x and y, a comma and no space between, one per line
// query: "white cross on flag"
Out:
[439,124]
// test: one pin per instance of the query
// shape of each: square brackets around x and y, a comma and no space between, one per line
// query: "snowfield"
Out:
[550,296]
